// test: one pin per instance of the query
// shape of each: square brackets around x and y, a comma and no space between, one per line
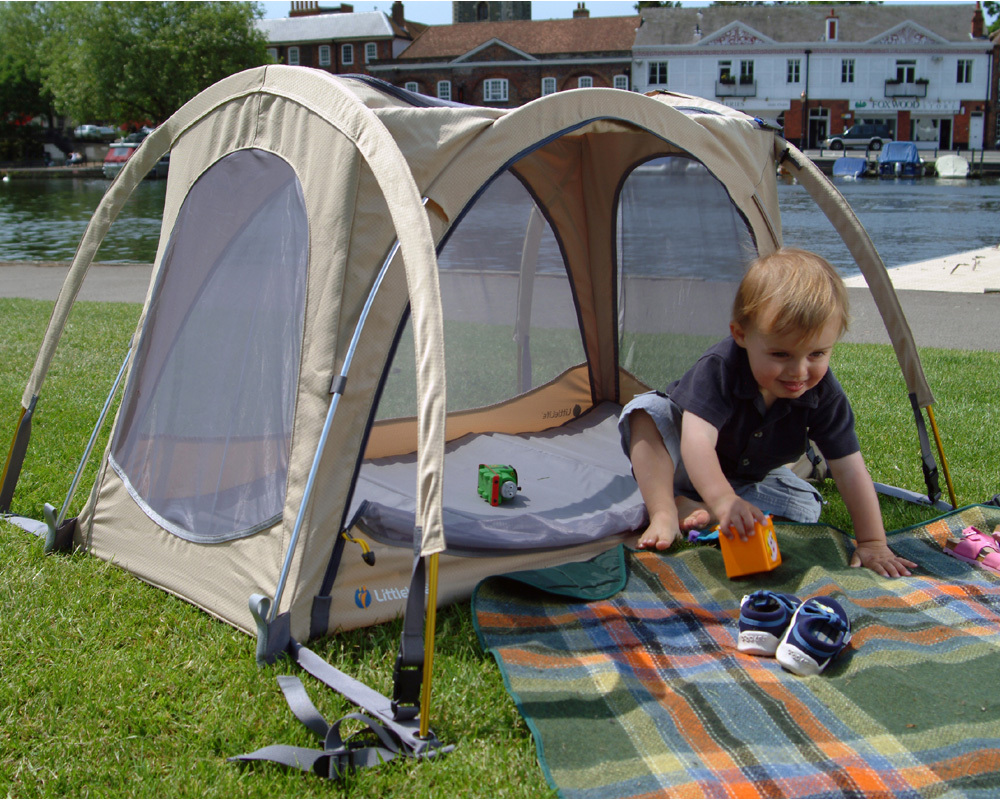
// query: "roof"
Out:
[324,27]
[862,22]
[538,37]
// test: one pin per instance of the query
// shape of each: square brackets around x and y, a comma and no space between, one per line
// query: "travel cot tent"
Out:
[328,245]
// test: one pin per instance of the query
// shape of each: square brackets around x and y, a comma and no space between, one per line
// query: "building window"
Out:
[658,72]
[793,71]
[906,71]
[964,70]
[746,72]
[726,72]
[347,54]
[548,86]
[272,54]
[831,29]
[293,56]
[412,86]
[495,90]
[324,55]
[621,82]
[584,82]
[444,90]
[371,52]
[847,70]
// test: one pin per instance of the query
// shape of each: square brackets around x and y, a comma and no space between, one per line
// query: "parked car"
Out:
[98,133]
[862,136]
[120,152]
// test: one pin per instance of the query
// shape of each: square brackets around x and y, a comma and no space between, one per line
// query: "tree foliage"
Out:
[992,9]
[22,94]
[132,62]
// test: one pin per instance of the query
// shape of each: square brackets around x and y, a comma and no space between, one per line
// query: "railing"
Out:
[900,89]
[725,89]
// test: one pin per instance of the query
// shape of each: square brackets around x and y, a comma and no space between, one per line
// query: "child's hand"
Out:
[877,557]
[736,517]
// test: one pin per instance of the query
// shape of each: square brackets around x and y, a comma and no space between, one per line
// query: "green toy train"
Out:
[497,483]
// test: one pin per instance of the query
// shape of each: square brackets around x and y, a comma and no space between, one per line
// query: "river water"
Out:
[909,220]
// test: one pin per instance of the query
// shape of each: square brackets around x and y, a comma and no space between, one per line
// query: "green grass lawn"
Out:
[111,687]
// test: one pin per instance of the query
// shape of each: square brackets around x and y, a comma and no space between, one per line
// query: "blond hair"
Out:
[791,290]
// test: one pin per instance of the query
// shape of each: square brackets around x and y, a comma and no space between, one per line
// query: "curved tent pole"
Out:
[860,245]
[525,288]
[416,246]
[149,152]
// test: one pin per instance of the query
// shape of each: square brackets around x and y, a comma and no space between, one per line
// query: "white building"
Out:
[923,69]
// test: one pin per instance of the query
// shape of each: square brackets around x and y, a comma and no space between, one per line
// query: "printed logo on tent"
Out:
[362,597]
[556,413]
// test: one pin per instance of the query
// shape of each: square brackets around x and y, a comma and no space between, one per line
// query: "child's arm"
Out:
[698,439]
[856,487]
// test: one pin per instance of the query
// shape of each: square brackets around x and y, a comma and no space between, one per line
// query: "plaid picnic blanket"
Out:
[644,693]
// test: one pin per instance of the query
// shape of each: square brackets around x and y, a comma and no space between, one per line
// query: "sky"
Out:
[438,12]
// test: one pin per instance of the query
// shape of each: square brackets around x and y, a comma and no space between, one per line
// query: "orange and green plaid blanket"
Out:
[643,693]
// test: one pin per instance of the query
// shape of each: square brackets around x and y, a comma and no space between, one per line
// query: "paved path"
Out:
[42,280]
[951,302]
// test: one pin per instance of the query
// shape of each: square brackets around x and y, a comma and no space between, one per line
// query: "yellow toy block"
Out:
[759,553]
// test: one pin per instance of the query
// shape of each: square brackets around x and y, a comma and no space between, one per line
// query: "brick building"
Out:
[507,64]
[336,39]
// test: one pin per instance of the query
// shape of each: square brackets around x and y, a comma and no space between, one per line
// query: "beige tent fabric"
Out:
[868,260]
[310,107]
[367,164]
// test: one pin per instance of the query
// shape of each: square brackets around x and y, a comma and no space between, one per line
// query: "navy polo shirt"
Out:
[753,440]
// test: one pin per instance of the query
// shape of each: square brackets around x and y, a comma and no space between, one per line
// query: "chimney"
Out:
[304,8]
[397,15]
[831,33]
[977,22]
[580,12]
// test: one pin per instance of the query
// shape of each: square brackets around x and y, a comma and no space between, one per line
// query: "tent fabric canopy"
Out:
[543,263]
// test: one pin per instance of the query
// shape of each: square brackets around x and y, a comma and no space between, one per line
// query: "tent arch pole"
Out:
[395,181]
[416,244]
[860,245]
[155,146]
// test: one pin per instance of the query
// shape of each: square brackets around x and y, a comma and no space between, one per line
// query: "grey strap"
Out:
[408,674]
[911,497]
[926,456]
[376,744]
[372,746]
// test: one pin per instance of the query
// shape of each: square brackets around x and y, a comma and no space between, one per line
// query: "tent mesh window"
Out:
[510,323]
[203,436]
[682,247]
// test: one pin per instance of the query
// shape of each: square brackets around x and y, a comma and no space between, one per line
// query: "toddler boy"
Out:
[711,449]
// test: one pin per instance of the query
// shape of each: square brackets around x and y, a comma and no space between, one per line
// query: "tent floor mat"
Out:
[575,486]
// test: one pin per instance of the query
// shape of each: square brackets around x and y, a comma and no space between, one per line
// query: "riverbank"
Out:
[982,163]
[77,171]
[945,299]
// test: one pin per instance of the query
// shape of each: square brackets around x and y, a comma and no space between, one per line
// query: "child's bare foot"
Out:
[660,534]
[693,515]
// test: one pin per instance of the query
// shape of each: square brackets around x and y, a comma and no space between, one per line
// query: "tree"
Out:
[992,9]
[22,94]
[134,62]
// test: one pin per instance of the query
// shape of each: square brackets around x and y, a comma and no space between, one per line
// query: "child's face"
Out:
[790,364]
